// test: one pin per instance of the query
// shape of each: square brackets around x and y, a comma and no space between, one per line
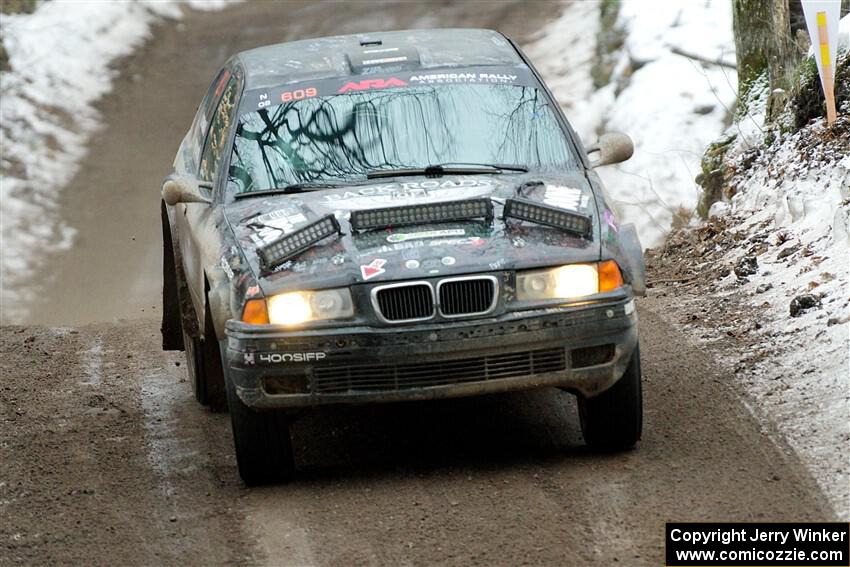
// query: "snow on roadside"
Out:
[59,57]
[799,196]
[792,205]
[671,105]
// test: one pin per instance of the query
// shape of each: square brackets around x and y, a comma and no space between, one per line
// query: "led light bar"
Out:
[540,213]
[424,213]
[279,251]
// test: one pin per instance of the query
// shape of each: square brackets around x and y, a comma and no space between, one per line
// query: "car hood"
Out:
[410,252]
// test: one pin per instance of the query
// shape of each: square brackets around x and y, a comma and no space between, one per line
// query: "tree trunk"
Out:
[763,43]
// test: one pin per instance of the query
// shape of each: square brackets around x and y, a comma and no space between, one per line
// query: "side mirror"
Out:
[185,190]
[613,147]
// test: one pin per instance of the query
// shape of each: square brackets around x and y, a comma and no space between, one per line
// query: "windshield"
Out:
[343,137]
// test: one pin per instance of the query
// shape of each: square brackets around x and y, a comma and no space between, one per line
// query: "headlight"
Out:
[568,282]
[297,307]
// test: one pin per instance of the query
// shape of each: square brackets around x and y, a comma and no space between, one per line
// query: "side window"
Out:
[217,135]
[195,141]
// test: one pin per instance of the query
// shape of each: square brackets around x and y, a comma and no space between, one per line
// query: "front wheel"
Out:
[613,419]
[203,361]
[262,441]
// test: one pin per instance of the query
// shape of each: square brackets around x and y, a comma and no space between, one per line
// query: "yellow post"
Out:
[826,65]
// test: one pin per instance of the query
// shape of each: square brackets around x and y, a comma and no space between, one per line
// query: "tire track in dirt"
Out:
[76,482]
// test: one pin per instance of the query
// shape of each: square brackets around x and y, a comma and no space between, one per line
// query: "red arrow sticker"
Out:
[374,268]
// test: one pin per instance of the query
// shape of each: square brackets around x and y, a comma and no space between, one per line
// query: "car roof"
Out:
[356,54]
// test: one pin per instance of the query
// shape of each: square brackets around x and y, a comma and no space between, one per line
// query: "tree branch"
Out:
[718,62]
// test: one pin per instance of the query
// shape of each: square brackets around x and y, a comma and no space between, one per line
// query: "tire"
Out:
[211,380]
[612,421]
[262,442]
[203,364]
[195,365]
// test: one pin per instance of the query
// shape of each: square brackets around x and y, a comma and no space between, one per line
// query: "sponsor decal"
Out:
[403,246]
[431,265]
[381,69]
[411,189]
[410,193]
[372,269]
[402,236]
[225,265]
[283,267]
[568,198]
[385,60]
[367,84]
[411,253]
[298,94]
[448,261]
[264,100]
[381,50]
[611,220]
[473,240]
[337,259]
[280,357]
[411,264]
[275,224]
[221,82]
[498,264]
[437,78]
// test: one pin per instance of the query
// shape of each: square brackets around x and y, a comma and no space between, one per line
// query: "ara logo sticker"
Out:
[372,269]
[367,84]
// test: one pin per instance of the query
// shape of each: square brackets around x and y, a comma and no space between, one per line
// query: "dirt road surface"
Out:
[105,459]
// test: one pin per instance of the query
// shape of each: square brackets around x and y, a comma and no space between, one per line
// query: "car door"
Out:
[198,235]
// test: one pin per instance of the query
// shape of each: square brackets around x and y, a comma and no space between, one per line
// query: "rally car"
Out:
[391,217]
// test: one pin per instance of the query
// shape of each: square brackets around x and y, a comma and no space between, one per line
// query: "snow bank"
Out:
[791,209]
[59,57]
[798,194]
[671,105]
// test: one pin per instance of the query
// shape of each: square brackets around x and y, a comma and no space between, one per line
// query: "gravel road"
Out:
[105,459]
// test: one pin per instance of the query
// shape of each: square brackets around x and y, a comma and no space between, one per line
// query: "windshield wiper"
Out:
[292,188]
[499,166]
[440,169]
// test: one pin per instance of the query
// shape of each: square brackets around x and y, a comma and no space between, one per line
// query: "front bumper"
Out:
[584,349]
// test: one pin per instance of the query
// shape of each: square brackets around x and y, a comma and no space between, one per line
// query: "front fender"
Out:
[218,298]
[633,252]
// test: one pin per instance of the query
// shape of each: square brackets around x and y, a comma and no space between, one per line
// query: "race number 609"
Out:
[298,94]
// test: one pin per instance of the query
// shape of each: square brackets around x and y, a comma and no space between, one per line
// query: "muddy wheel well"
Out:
[172,335]
[177,309]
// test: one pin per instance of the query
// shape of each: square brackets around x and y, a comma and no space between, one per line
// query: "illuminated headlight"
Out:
[568,282]
[299,307]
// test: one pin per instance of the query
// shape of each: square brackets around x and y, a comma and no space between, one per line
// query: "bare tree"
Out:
[763,43]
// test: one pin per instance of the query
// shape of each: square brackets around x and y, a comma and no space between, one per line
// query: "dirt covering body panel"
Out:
[414,251]
[507,344]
